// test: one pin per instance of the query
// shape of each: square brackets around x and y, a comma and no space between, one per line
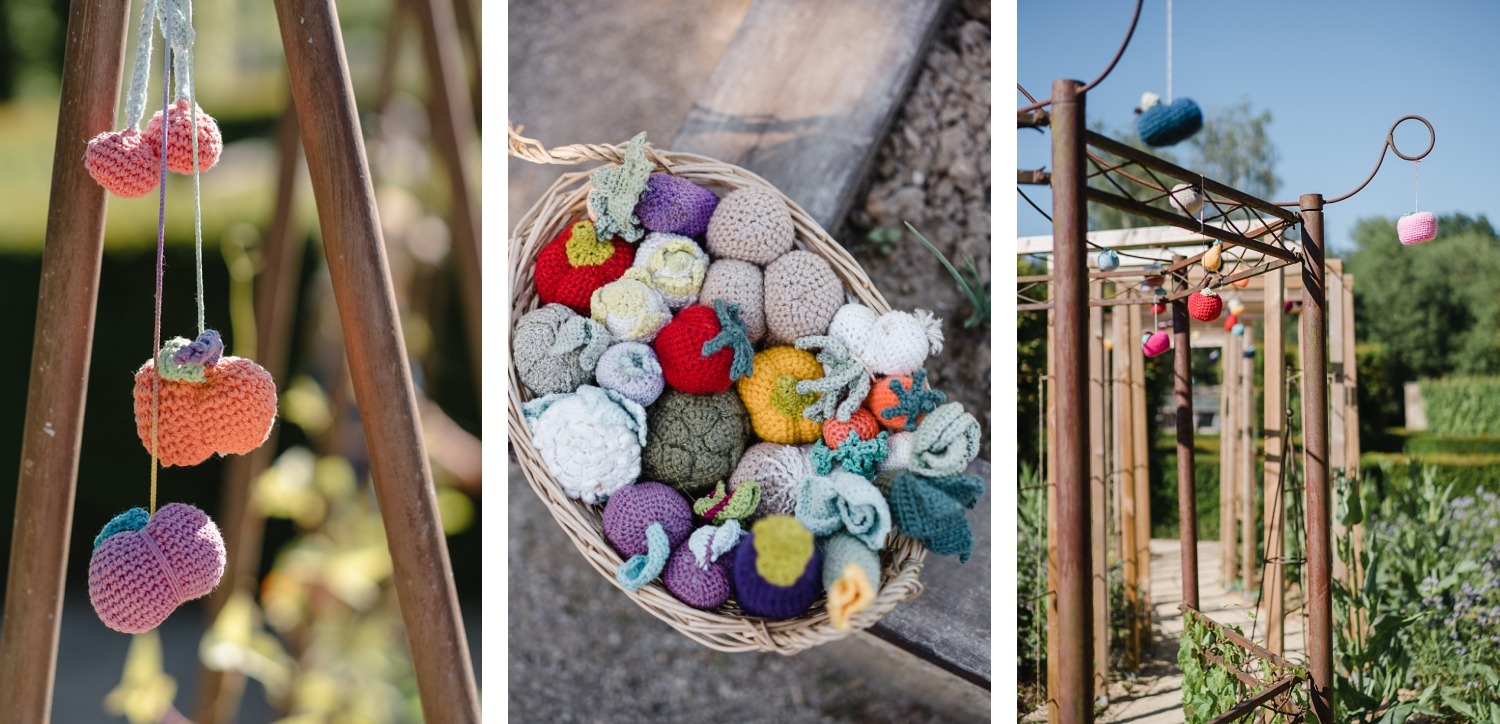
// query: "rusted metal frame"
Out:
[1132,206]
[1033,119]
[377,357]
[1208,185]
[1031,280]
[1073,690]
[1390,143]
[72,253]
[1119,53]
[1256,701]
[1229,634]
[1187,490]
[1254,271]
[1033,177]
[1245,677]
[1314,358]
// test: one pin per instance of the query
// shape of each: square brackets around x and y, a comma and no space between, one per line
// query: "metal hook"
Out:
[1112,62]
[1390,144]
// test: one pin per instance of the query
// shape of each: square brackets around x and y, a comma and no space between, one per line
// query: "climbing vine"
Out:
[1209,689]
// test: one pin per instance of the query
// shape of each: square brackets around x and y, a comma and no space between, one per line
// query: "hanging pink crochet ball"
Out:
[1154,343]
[143,569]
[1417,228]
[123,162]
[180,140]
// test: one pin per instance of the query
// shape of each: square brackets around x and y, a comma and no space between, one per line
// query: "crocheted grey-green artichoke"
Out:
[694,441]
[556,350]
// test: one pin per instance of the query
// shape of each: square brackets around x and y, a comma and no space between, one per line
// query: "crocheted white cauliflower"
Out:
[590,440]
[894,343]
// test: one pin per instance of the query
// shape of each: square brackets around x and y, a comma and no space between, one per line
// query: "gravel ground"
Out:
[580,651]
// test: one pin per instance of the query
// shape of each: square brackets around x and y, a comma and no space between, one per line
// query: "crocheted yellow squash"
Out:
[770,394]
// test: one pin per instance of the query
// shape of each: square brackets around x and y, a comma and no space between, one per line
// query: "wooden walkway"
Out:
[1155,697]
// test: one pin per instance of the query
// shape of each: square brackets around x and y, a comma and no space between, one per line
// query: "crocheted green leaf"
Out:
[616,191]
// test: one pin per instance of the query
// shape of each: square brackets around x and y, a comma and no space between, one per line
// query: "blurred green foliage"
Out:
[1463,406]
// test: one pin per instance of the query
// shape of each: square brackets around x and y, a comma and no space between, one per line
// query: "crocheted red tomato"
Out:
[703,350]
[862,422]
[1205,306]
[573,265]
[1230,321]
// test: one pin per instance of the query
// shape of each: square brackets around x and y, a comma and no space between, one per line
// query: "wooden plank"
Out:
[1337,424]
[1227,402]
[1098,496]
[805,93]
[1124,456]
[73,250]
[1141,412]
[1249,572]
[1273,606]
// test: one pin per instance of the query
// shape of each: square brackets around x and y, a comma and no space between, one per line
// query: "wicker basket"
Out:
[726,629]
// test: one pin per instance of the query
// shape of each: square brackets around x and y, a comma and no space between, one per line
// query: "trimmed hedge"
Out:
[1468,473]
[1424,445]
[1462,405]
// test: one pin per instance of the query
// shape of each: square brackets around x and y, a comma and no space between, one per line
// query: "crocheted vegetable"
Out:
[1186,198]
[630,307]
[898,448]
[675,205]
[179,148]
[1205,305]
[894,343]
[931,510]
[738,282]
[694,441]
[675,266]
[779,469]
[1107,260]
[855,455]
[899,402]
[945,443]
[1230,320]
[207,404]
[123,162]
[577,262]
[851,575]
[644,522]
[704,350]
[802,295]
[777,569]
[699,573]
[1213,259]
[590,440]
[861,424]
[750,224]
[770,395]
[844,385]
[843,501]
[144,567]
[1154,343]
[617,190]
[1238,330]
[724,504]
[1414,228]
[1167,124]
[555,350]
[1236,306]
[631,369]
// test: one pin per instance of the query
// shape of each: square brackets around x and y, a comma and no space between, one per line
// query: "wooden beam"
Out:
[378,366]
[1098,496]
[1249,572]
[1272,605]
[1126,345]
[1140,426]
[1228,490]
[1337,408]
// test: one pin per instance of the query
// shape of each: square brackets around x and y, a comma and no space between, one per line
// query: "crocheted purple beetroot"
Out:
[764,598]
[633,508]
[701,588]
[676,205]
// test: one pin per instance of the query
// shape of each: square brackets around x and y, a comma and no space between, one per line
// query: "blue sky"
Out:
[1335,76]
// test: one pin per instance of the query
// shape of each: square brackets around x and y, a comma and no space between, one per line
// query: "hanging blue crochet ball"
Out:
[1108,260]
[1167,124]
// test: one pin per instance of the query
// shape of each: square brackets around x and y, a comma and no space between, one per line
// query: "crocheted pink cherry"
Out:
[1416,228]
[144,567]
[180,140]
[123,162]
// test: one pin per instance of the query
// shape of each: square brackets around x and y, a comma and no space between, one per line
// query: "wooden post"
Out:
[1053,638]
[1272,606]
[62,342]
[1228,400]
[1245,475]
[1140,427]
[1126,344]
[377,357]
[1351,439]
[1099,489]
[1336,398]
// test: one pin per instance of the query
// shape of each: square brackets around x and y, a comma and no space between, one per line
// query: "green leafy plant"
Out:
[969,279]
[882,240]
[1209,688]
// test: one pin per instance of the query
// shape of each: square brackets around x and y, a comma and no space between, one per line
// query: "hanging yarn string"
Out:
[1418,226]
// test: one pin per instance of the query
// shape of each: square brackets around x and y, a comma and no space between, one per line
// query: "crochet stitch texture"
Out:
[630,307]
[631,369]
[739,283]
[770,395]
[138,577]
[179,148]
[679,348]
[1205,305]
[635,507]
[1416,228]
[694,441]
[617,190]
[675,265]
[845,502]
[675,205]
[779,469]
[698,573]
[945,443]
[931,510]
[590,440]
[123,162]
[775,546]
[555,351]
[750,224]
[894,343]
[851,575]
[802,295]
[230,413]
[559,280]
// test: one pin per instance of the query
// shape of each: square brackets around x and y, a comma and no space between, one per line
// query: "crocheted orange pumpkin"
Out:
[208,404]
[575,263]
[899,402]
[770,395]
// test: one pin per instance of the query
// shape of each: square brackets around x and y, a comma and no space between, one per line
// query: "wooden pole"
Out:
[1351,417]
[1187,500]
[377,356]
[1272,606]
[1126,345]
[276,292]
[1140,426]
[1245,448]
[1337,408]
[1098,494]
[1229,401]
[62,342]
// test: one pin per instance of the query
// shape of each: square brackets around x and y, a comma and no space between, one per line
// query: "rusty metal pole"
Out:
[1187,488]
[1315,457]
[93,60]
[1074,689]
[378,365]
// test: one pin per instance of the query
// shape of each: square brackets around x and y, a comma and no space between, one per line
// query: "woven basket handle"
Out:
[530,149]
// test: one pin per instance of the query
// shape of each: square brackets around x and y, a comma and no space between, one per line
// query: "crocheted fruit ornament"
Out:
[675,205]
[144,566]
[779,470]
[1230,320]
[124,162]
[724,504]
[1236,306]
[742,283]
[674,265]
[616,191]
[1206,305]
[179,148]
[1154,343]
[1186,198]
[630,307]
[844,502]
[750,224]
[1107,260]
[802,295]
[777,569]
[207,403]
[1167,124]
[555,350]
[946,442]
[770,395]
[576,262]
[699,573]
[851,575]
[644,522]
[899,402]
[590,440]
[631,369]
[862,425]
[703,350]
[1416,228]
[1213,259]
[894,343]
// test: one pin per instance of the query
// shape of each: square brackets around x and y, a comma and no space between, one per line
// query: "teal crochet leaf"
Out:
[913,402]
[732,335]
[844,385]
[931,510]
[643,569]
[858,456]
[133,519]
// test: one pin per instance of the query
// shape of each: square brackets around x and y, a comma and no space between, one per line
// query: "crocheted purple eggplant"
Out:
[778,569]
[699,573]
[676,205]
[644,522]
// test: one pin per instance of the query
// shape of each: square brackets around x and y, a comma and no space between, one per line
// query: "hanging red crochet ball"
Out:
[679,349]
[1205,305]
[575,263]
[123,162]
[1159,308]
[180,140]
[1230,321]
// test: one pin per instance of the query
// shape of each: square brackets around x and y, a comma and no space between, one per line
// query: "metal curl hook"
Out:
[1390,144]
[1107,69]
